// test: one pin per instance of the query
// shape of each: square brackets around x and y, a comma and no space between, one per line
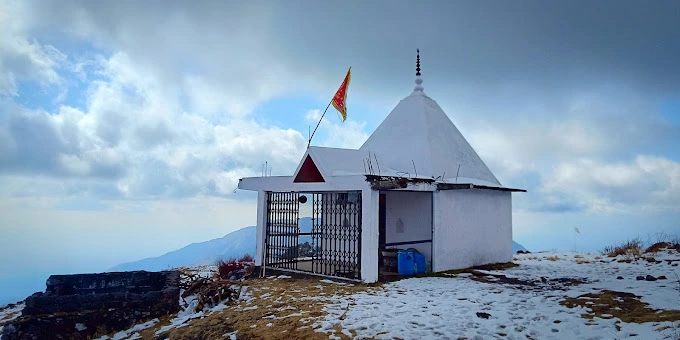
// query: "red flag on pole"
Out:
[340,99]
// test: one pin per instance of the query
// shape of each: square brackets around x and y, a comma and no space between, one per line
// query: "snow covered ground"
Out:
[461,307]
[546,296]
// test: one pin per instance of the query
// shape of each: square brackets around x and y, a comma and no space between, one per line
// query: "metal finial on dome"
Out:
[419,81]
[418,62]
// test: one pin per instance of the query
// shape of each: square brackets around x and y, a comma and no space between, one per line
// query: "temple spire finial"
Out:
[419,81]
[418,62]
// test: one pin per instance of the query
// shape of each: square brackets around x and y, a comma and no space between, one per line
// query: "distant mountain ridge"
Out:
[232,245]
[516,246]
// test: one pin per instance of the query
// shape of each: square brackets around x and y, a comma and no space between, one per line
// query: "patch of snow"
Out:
[10,313]
[458,306]
[283,277]
[220,307]
[183,316]
[333,282]
[268,325]
[246,295]
[80,327]
[231,336]
[131,333]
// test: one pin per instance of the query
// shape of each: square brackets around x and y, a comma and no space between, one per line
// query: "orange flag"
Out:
[340,99]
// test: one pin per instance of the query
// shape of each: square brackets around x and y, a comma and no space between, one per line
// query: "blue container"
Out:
[420,264]
[405,262]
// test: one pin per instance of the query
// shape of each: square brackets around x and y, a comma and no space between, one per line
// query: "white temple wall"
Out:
[471,227]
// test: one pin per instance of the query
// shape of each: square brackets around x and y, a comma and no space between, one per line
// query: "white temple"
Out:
[415,183]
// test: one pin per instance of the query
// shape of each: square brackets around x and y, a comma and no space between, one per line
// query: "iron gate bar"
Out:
[335,233]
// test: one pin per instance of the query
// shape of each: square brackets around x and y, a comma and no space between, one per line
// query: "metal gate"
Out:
[326,243]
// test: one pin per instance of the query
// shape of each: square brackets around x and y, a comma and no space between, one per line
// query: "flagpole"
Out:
[317,124]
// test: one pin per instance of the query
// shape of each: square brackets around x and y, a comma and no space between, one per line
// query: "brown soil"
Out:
[286,309]
[498,278]
[625,306]
[496,266]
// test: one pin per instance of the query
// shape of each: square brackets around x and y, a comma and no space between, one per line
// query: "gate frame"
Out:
[288,231]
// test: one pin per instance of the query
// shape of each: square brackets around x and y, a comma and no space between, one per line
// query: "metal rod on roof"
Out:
[457,172]
[309,142]
[414,168]
[377,164]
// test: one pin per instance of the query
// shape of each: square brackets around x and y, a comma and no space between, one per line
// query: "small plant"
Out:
[632,247]
[224,268]
[246,259]
[553,258]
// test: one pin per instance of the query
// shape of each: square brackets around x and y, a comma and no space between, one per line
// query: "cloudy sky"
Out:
[125,125]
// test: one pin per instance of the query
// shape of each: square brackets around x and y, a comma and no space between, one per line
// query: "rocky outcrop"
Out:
[82,306]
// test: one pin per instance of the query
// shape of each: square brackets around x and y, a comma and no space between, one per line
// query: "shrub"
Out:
[224,268]
[631,247]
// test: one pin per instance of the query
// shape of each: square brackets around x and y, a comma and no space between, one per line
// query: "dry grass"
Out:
[553,258]
[496,266]
[289,306]
[631,247]
[662,245]
[627,307]
[580,261]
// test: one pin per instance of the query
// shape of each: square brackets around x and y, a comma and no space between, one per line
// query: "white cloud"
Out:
[647,183]
[139,138]
[23,58]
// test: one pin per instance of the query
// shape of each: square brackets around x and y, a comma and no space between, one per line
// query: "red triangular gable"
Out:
[308,172]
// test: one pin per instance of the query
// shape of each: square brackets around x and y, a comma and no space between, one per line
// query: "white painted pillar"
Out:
[436,223]
[369,235]
[261,225]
